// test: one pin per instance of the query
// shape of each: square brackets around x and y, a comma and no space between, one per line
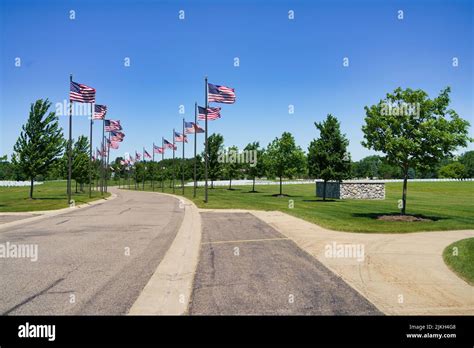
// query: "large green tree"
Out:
[328,158]
[215,147]
[39,144]
[284,158]
[467,159]
[80,162]
[232,165]
[453,170]
[256,168]
[414,131]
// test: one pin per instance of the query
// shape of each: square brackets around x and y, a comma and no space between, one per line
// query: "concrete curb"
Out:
[47,213]
[168,292]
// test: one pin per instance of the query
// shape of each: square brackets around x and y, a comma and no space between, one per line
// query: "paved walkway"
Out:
[93,260]
[247,267]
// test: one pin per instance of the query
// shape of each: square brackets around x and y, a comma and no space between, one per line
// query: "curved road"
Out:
[94,260]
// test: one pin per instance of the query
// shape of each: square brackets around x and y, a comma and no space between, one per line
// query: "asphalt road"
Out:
[247,267]
[93,260]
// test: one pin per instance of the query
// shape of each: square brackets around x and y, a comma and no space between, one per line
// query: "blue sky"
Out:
[282,62]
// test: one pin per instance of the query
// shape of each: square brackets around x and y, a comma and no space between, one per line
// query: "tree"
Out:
[467,159]
[80,162]
[39,144]
[232,164]
[454,170]
[367,167]
[215,146]
[328,158]
[257,167]
[284,158]
[414,131]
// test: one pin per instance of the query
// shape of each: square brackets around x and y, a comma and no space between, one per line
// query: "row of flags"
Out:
[82,93]
[214,94]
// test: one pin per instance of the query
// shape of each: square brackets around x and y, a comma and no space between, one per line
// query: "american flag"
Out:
[158,149]
[170,145]
[81,93]
[113,144]
[112,125]
[220,94]
[191,127]
[212,113]
[99,112]
[117,136]
[179,137]
[138,156]
[146,154]
[122,162]
[98,152]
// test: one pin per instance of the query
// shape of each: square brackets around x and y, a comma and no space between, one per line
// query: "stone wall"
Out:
[352,189]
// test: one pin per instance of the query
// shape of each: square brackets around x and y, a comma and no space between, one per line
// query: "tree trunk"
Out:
[253,186]
[76,186]
[31,188]
[324,190]
[281,186]
[404,195]
[212,184]
[230,184]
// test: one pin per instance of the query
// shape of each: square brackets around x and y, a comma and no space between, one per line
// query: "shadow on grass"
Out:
[376,216]
[323,201]
[252,192]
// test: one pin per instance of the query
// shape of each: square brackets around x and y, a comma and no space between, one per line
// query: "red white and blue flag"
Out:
[146,154]
[138,156]
[179,137]
[212,113]
[191,127]
[220,94]
[113,144]
[158,149]
[117,136]
[81,93]
[99,112]
[170,145]
[112,125]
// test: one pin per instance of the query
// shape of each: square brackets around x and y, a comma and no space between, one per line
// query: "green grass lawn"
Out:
[48,196]
[461,260]
[449,204]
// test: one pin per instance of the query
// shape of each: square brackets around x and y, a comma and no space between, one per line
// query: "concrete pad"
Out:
[265,276]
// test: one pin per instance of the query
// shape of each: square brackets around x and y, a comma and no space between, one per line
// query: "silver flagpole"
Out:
[205,142]
[195,147]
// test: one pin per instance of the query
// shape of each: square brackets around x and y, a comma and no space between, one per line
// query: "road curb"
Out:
[48,213]
[168,292]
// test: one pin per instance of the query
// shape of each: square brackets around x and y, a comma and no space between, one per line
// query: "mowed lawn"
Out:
[48,196]
[459,256]
[449,204]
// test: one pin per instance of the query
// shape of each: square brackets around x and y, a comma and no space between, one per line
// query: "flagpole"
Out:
[107,167]
[205,142]
[102,158]
[195,147]
[90,151]
[174,164]
[162,163]
[69,165]
[144,170]
[182,163]
[153,171]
